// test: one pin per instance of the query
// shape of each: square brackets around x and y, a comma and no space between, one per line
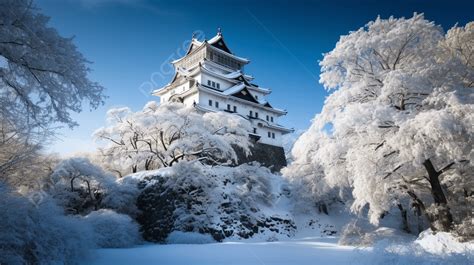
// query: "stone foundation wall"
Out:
[269,156]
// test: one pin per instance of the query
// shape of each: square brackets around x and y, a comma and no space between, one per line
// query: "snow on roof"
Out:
[230,75]
[215,39]
[262,101]
[234,89]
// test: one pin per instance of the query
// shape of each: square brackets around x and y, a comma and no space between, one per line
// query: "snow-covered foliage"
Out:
[225,202]
[397,129]
[43,80]
[22,164]
[113,230]
[38,233]
[80,186]
[443,243]
[43,77]
[429,248]
[161,135]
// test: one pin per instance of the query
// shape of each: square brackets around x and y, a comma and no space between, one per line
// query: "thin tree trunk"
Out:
[405,225]
[443,216]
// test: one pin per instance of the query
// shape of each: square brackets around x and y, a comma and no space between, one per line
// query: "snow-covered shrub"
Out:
[121,197]
[80,186]
[221,201]
[36,232]
[178,237]
[360,232]
[443,243]
[429,248]
[113,230]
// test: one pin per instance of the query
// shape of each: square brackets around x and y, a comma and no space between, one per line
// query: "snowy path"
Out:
[301,252]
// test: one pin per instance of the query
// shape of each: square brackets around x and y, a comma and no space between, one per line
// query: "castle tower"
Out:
[211,78]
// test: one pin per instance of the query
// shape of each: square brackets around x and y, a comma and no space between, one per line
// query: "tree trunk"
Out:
[323,208]
[443,215]
[405,225]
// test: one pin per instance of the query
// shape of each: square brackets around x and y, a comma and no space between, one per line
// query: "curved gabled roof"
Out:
[217,43]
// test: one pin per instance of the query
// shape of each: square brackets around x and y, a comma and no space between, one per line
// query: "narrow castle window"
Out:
[210,102]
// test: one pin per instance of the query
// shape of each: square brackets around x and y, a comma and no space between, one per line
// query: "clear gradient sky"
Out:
[131,42]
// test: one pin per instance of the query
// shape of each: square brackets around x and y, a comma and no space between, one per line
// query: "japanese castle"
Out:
[211,78]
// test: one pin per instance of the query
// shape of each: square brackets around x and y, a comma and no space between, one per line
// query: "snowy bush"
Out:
[429,248]
[36,232]
[221,201]
[80,186]
[121,197]
[443,243]
[178,237]
[113,230]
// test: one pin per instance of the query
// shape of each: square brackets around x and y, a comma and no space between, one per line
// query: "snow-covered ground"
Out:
[304,251]
[311,251]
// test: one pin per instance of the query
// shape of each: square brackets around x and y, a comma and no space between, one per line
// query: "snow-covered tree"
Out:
[161,135]
[397,127]
[79,186]
[43,79]
[42,75]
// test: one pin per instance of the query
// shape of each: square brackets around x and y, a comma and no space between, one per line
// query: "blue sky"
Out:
[130,43]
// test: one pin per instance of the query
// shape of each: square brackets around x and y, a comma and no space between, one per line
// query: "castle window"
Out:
[255,130]
[210,102]
[250,113]
[218,86]
[269,134]
[268,118]
[217,104]
[228,107]
[235,108]
[271,119]
[213,84]
[256,114]
[209,82]
[273,135]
